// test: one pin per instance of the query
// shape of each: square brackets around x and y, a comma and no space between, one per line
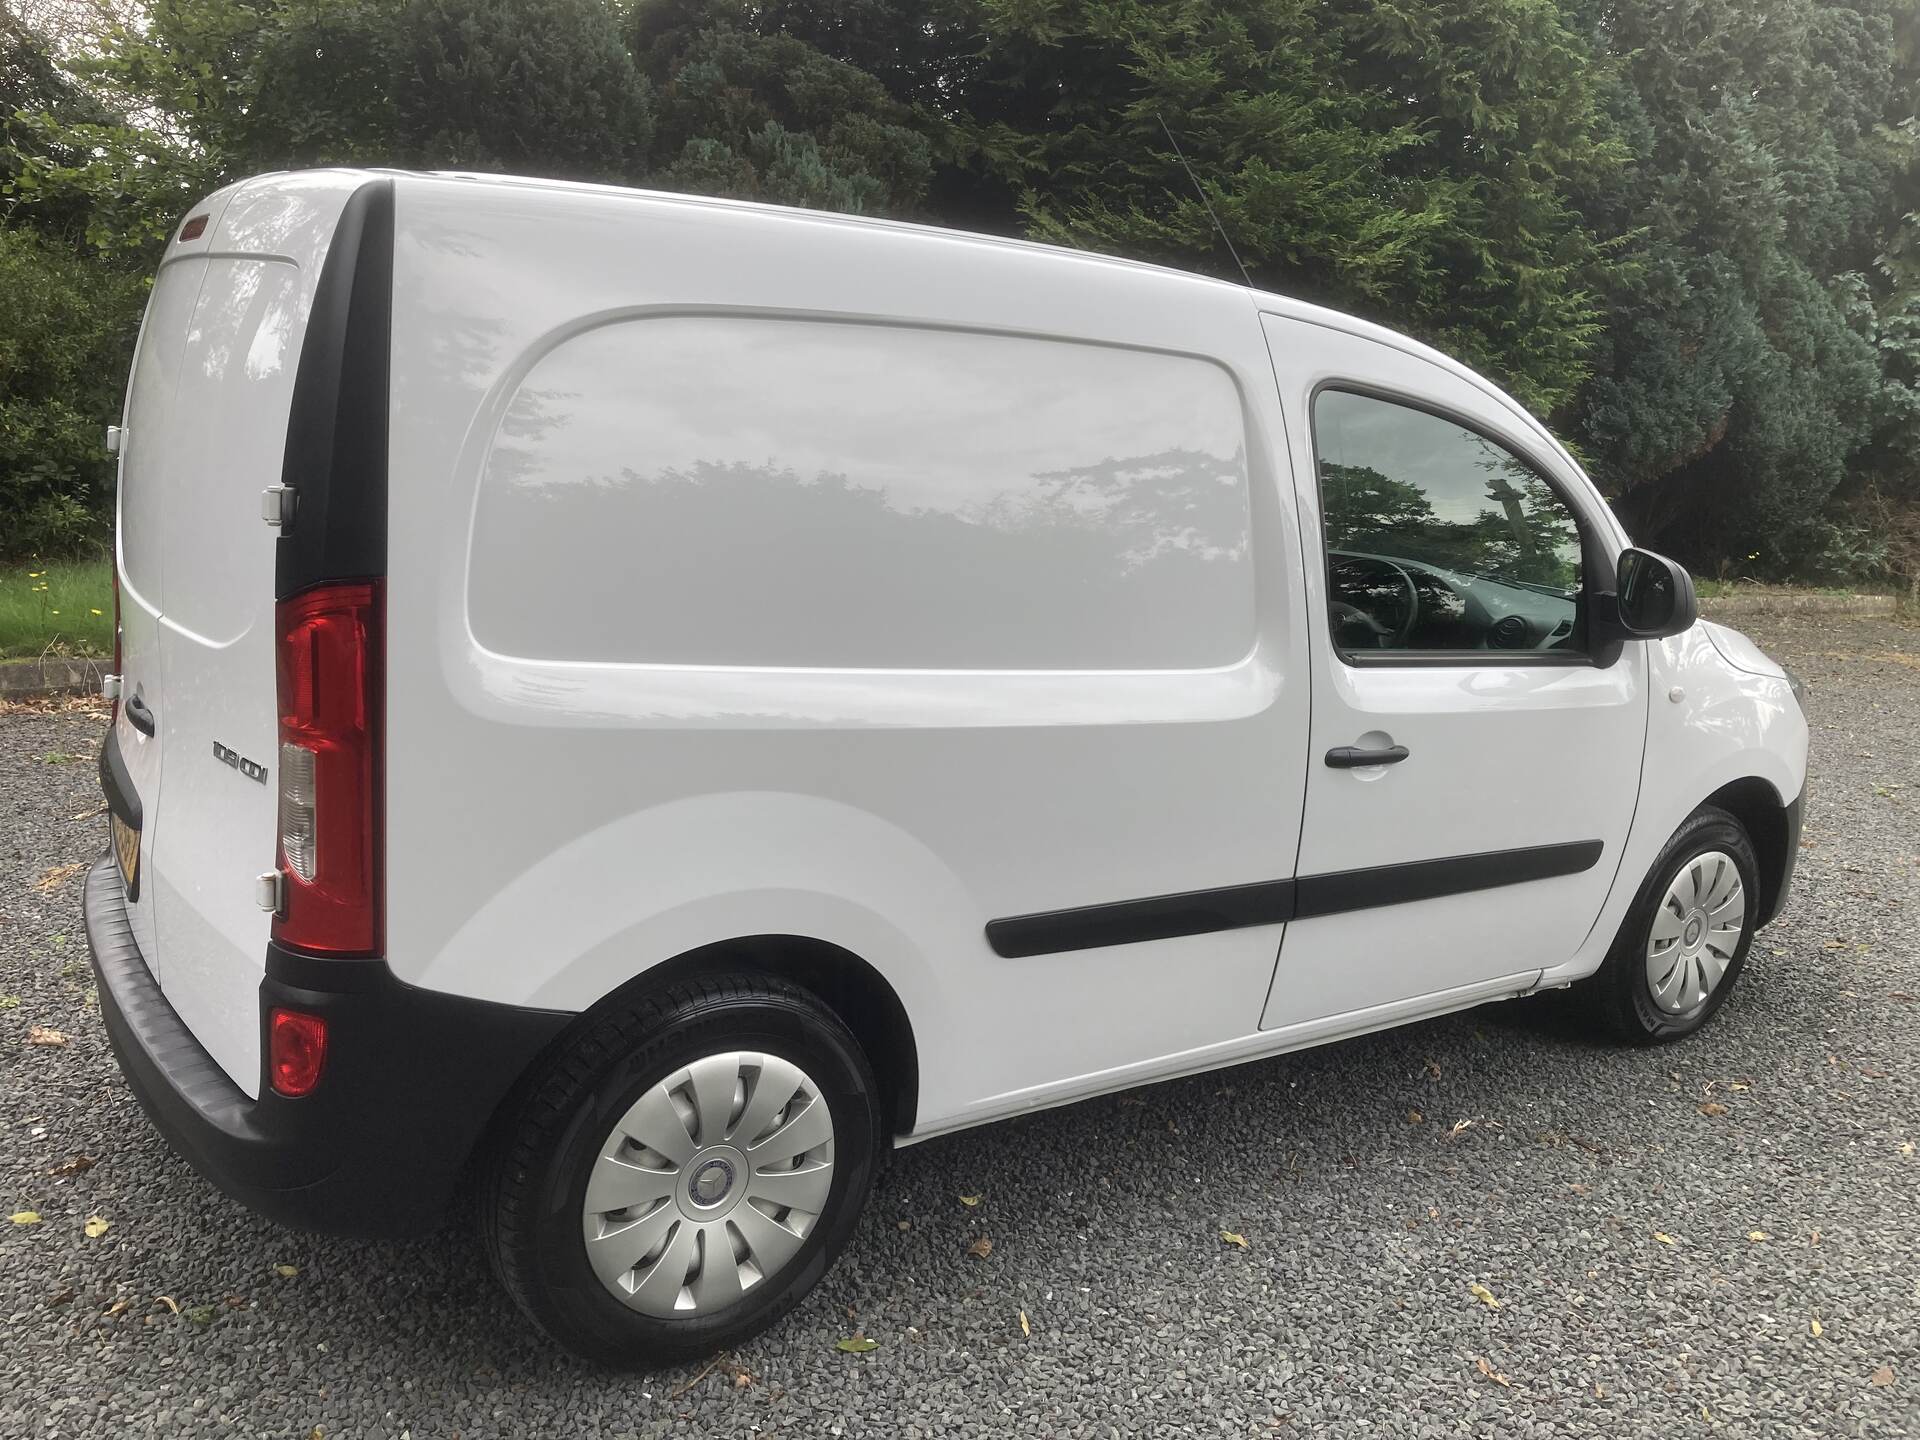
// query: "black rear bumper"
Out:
[412,1079]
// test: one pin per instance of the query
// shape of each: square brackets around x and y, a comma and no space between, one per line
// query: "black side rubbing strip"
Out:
[1344,890]
[1195,913]
[336,460]
[1274,902]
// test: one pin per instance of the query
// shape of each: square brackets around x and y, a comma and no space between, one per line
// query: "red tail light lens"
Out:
[296,1051]
[331,830]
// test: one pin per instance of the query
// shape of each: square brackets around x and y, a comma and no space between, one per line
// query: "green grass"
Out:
[1709,589]
[58,607]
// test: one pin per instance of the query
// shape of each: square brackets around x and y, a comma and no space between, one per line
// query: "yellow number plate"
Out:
[126,849]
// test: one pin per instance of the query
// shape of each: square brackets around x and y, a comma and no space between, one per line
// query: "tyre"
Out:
[683,1171]
[1685,939]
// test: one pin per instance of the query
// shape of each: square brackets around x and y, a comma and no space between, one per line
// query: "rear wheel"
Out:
[685,1171]
[1685,940]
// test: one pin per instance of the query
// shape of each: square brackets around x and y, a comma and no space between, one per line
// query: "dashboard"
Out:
[1388,603]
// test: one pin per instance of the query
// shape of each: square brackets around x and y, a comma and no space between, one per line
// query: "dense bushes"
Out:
[1683,231]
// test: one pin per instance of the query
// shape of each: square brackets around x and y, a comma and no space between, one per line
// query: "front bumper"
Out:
[412,1079]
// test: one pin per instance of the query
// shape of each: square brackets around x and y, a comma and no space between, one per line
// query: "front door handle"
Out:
[1352,757]
[142,717]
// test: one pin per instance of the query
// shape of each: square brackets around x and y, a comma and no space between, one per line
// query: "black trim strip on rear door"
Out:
[1275,902]
[336,458]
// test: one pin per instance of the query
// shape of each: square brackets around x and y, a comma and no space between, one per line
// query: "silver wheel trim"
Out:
[709,1184]
[1695,932]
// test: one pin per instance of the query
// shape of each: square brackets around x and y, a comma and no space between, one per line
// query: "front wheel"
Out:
[684,1171]
[1685,939]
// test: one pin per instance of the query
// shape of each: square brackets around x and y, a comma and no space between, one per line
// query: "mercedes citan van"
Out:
[641,703]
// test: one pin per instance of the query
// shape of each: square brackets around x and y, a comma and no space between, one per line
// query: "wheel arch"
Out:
[1773,826]
[840,980]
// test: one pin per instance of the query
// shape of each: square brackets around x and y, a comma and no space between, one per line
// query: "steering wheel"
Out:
[1384,638]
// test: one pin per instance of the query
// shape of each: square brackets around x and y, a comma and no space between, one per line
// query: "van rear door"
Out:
[208,434]
[140,556]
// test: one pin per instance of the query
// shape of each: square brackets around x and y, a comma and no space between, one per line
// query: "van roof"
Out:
[1267,301]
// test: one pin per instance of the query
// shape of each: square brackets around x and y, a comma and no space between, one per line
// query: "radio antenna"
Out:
[1200,190]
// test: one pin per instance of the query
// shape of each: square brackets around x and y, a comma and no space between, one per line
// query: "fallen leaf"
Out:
[61,1297]
[1228,1237]
[742,1379]
[1757,1236]
[57,876]
[120,1306]
[1906,1147]
[1027,1330]
[316,1433]
[96,1227]
[1815,1327]
[905,1225]
[1414,1117]
[201,1315]
[1460,1127]
[1740,1087]
[1433,1069]
[981,1248]
[1882,1376]
[969,1200]
[1664,1238]
[856,1344]
[1484,1295]
[1580,1188]
[236,1302]
[1713,1108]
[25,1217]
[168,1301]
[9,1002]
[78,1165]
[1485,1367]
[286,1272]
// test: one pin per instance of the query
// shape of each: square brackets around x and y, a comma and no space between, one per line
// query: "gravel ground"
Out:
[1714,1237]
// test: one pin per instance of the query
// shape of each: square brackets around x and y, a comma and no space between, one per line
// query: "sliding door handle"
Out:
[1352,757]
[140,714]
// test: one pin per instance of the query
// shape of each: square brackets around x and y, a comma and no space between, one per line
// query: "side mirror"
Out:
[1653,598]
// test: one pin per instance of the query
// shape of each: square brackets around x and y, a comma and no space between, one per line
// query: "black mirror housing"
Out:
[1653,598]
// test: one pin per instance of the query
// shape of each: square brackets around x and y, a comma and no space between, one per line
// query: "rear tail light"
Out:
[331,827]
[296,1051]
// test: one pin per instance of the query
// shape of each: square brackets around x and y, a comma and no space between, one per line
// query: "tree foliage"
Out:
[1688,231]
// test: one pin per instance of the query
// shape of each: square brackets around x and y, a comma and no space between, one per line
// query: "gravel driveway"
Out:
[1715,1237]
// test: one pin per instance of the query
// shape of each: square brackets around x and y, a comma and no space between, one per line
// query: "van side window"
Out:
[1440,540]
[740,490]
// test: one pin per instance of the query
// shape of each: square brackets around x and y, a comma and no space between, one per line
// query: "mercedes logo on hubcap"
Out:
[711,1183]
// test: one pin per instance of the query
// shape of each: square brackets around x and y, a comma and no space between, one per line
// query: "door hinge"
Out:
[109,687]
[277,505]
[269,891]
[116,437]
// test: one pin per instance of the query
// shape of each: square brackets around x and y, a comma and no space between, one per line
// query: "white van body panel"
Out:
[1709,724]
[558,821]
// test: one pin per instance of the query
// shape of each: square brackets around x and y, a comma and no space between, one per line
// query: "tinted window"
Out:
[1438,538]
[746,491]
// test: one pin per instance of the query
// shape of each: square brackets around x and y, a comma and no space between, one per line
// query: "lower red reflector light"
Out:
[296,1051]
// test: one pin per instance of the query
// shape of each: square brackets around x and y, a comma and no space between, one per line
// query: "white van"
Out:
[644,702]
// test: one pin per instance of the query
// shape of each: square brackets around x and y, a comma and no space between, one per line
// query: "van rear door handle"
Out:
[142,716]
[1352,757]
